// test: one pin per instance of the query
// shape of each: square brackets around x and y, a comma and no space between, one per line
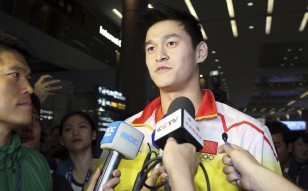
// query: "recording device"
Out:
[179,124]
[120,140]
[67,87]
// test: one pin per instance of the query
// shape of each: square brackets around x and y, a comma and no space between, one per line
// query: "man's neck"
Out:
[194,95]
[5,137]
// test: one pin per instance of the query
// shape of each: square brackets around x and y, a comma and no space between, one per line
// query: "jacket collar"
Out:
[206,110]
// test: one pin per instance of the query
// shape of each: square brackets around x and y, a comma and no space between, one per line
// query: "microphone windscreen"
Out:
[182,103]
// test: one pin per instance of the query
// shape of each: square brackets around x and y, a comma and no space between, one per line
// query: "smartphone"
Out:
[67,87]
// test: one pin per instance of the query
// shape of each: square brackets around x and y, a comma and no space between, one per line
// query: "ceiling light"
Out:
[300,49]
[273,109]
[291,102]
[303,23]
[254,109]
[219,67]
[295,57]
[304,94]
[282,109]
[250,4]
[213,52]
[117,13]
[150,6]
[245,109]
[262,110]
[216,60]
[230,8]
[292,64]
[282,65]
[270,6]
[285,58]
[268,25]
[289,50]
[251,27]
[234,28]
[273,112]
[221,73]
[201,76]
[193,12]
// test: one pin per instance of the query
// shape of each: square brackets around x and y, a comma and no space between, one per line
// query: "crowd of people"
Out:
[252,153]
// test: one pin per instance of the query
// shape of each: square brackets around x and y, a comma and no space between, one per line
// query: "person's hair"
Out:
[295,135]
[81,114]
[162,13]
[276,127]
[10,42]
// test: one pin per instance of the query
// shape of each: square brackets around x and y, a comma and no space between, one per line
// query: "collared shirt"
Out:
[213,118]
[34,169]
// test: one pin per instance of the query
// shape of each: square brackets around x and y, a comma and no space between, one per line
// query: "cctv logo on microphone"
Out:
[167,124]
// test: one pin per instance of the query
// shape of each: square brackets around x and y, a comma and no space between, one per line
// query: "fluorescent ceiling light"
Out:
[150,6]
[230,8]
[193,12]
[270,5]
[268,25]
[234,28]
[291,102]
[117,13]
[303,23]
[262,110]
[304,95]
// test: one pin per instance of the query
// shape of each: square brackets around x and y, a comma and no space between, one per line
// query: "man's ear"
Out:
[201,52]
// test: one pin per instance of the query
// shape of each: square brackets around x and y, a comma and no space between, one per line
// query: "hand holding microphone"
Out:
[181,148]
[120,141]
[181,164]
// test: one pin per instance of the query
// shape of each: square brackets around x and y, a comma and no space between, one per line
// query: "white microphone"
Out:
[179,124]
[120,140]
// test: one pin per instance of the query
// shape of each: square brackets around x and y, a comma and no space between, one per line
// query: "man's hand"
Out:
[44,87]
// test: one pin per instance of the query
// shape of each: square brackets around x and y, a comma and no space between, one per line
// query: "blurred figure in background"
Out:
[281,135]
[30,136]
[78,135]
[298,170]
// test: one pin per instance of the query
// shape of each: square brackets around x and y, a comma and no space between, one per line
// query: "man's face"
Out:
[281,148]
[170,56]
[300,150]
[15,96]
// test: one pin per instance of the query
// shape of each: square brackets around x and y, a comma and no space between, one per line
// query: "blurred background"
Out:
[257,62]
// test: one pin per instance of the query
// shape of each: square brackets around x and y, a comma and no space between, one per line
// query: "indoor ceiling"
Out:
[264,75]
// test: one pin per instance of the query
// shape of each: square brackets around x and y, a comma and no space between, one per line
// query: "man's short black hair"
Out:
[162,13]
[276,127]
[10,42]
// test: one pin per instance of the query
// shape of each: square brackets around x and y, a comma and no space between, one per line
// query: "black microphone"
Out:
[179,124]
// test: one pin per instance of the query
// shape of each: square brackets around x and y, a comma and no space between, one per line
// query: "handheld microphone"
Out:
[120,140]
[179,124]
